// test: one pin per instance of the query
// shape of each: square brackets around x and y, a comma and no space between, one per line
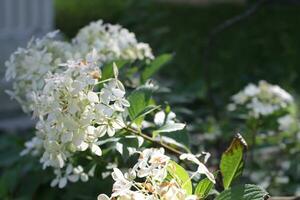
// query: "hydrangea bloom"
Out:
[260,100]
[28,66]
[72,116]
[147,180]
[112,42]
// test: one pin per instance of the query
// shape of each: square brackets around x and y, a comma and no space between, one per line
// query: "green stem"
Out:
[160,143]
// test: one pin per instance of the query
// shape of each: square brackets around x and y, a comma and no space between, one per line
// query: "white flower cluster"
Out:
[112,42]
[73,117]
[28,67]
[260,100]
[72,174]
[286,122]
[147,180]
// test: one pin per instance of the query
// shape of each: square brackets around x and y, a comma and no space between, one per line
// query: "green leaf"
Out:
[181,176]
[179,136]
[139,100]
[203,188]
[146,111]
[232,161]
[243,192]
[107,70]
[155,65]
[169,128]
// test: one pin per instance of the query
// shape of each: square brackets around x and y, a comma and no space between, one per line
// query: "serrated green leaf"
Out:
[232,161]
[243,192]
[155,65]
[181,176]
[139,100]
[203,188]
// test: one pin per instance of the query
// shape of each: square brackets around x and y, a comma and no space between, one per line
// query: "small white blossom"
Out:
[111,42]
[261,100]
[162,118]
[70,173]
[285,122]
[73,117]
[142,182]
[28,66]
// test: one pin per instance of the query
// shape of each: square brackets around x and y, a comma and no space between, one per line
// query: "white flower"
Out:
[33,146]
[73,117]
[152,162]
[282,93]
[58,82]
[261,100]
[122,185]
[72,174]
[202,169]
[161,118]
[285,122]
[172,191]
[251,90]
[111,42]
[143,183]
[27,67]
[93,97]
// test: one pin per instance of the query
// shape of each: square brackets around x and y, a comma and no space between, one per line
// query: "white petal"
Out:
[73,178]
[91,130]
[60,161]
[118,123]
[69,169]
[66,137]
[84,177]
[93,97]
[117,174]
[125,103]
[100,131]
[96,149]
[140,140]
[118,93]
[78,169]
[83,146]
[54,182]
[171,116]
[119,147]
[159,118]
[62,182]
[103,197]
[110,131]
[203,170]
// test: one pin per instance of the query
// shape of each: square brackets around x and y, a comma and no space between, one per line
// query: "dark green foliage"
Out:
[243,192]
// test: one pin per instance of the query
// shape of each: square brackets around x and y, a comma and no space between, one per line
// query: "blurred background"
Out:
[219,46]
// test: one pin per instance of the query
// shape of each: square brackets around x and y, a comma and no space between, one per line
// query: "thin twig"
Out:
[210,43]
[160,143]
